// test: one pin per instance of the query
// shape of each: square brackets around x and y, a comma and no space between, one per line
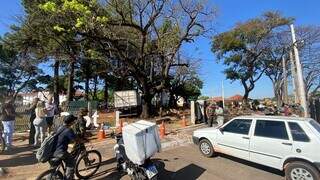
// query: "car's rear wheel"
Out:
[301,171]
[206,148]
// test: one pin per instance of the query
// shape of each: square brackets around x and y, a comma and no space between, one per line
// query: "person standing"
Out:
[211,114]
[8,120]
[32,112]
[219,113]
[40,123]
[80,125]
[50,108]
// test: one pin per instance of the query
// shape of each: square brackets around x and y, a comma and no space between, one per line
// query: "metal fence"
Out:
[23,116]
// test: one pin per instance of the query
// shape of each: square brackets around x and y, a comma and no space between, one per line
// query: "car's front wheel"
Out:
[301,171]
[206,148]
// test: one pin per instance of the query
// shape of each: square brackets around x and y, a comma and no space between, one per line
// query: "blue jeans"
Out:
[8,129]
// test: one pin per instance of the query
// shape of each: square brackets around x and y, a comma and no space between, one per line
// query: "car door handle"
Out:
[245,138]
[288,144]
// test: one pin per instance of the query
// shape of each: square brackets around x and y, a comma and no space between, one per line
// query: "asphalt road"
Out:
[186,163]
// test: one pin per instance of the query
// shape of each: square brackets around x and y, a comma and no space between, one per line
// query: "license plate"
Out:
[151,171]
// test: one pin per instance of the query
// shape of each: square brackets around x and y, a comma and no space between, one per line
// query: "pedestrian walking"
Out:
[211,114]
[80,124]
[8,116]
[40,123]
[219,114]
[50,108]
[32,112]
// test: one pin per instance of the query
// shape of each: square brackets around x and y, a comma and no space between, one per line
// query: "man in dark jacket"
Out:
[66,137]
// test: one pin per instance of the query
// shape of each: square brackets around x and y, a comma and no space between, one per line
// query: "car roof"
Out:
[286,118]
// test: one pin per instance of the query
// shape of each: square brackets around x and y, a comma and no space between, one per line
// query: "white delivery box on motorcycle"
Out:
[141,141]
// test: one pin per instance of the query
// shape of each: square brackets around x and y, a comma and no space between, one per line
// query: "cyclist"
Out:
[66,137]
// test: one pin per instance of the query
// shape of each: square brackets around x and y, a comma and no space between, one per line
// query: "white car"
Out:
[291,144]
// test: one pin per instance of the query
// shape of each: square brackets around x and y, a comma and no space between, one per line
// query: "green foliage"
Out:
[204,98]
[242,48]
[48,6]
[17,71]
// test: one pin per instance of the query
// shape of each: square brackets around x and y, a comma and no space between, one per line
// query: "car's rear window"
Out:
[315,124]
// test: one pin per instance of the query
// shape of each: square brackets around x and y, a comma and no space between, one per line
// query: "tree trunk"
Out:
[146,103]
[146,107]
[246,93]
[70,92]
[95,88]
[56,86]
[87,88]
[106,93]
[277,93]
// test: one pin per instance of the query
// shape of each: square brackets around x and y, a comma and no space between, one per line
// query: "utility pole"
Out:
[285,81]
[301,86]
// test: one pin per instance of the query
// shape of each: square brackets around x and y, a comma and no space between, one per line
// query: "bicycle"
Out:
[83,158]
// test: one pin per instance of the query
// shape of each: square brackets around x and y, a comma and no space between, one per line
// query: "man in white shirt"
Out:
[50,107]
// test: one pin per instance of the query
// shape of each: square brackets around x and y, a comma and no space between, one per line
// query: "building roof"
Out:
[236,97]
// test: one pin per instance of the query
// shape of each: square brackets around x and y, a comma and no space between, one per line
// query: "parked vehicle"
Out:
[137,172]
[128,102]
[134,149]
[291,144]
[87,164]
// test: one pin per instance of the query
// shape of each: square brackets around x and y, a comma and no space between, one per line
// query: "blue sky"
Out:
[305,12]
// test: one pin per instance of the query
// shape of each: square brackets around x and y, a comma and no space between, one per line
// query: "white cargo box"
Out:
[141,140]
[126,99]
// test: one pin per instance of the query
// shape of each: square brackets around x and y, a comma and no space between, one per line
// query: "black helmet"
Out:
[69,119]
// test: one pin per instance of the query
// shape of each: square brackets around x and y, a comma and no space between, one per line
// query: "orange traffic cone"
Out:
[101,134]
[183,121]
[162,130]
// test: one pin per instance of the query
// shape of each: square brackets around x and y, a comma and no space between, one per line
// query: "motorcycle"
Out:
[146,171]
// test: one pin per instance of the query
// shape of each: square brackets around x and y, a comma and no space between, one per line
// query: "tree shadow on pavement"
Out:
[19,160]
[192,171]
[19,149]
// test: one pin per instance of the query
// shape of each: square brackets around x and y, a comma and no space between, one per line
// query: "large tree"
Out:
[142,36]
[243,47]
[17,71]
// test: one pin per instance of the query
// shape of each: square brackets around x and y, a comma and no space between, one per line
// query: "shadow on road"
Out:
[191,171]
[257,166]
[19,160]
[19,149]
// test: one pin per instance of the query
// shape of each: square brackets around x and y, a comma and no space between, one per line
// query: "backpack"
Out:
[47,148]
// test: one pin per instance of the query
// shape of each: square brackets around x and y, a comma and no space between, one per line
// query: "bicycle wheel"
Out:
[88,164]
[2,144]
[50,174]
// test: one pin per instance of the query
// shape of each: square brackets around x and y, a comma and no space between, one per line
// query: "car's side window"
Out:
[297,132]
[238,126]
[271,129]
